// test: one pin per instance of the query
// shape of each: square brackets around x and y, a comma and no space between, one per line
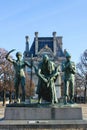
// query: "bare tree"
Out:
[6,71]
[82,72]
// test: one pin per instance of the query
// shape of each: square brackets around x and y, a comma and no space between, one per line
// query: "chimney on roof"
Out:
[27,43]
[54,43]
[27,38]
[54,34]
[36,34]
[36,43]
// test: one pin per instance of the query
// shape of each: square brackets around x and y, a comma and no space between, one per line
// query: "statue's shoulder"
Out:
[52,65]
[72,62]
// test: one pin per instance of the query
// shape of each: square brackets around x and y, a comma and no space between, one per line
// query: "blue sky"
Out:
[68,18]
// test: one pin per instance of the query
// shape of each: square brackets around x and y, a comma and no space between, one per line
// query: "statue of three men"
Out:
[47,73]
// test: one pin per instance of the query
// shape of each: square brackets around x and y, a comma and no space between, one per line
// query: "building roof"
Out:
[42,42]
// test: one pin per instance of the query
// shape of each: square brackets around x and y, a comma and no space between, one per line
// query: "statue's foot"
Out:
[71,102]
[22,102]
[17,100]
[39,102]
[55,102]
[65,102]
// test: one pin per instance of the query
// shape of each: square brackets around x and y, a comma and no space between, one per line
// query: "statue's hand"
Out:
[45,80]
[9,53]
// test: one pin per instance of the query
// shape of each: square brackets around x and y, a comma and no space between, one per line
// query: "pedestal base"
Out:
[40,112]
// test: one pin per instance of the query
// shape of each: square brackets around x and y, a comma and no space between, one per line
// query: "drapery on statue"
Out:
[19,65]
[68,67]
[47,74]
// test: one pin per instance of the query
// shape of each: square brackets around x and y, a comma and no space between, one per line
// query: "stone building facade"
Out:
[53,47]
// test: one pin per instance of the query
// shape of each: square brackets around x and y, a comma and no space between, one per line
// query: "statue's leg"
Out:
[66,91]
[54,93]
[23,88]
[38,91]
[71,92]
[16,86]
[39,98]
[51,92]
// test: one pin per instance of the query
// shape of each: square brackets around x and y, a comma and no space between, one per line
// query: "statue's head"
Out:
[18,54]
[68,55]
[45,58]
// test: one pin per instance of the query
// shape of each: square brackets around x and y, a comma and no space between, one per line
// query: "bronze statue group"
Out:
[47,73]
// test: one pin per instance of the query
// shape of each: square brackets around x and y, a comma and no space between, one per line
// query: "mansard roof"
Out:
[38,46]
[42,42]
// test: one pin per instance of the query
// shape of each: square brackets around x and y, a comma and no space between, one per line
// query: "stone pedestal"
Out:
[40,112]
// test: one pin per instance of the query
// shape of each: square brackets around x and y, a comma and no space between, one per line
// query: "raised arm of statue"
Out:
[8,57]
